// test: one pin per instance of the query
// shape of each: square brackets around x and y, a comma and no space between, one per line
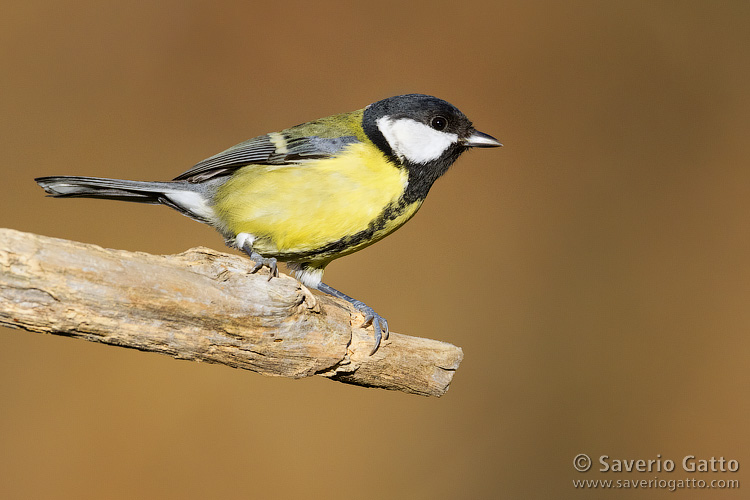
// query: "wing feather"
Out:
[269,149]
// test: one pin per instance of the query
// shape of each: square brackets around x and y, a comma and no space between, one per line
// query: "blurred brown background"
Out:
[595,270]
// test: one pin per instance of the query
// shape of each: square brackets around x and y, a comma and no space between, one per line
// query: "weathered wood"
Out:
[203,305]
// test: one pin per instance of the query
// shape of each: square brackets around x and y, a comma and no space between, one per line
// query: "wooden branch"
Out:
[202,305]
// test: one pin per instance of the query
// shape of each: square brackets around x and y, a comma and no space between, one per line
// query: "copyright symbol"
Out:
[582,462]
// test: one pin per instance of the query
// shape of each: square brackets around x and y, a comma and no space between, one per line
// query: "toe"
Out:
[379,327]
[378,335]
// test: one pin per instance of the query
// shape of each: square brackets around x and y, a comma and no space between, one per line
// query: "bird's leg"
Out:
[244,242]
[379,324]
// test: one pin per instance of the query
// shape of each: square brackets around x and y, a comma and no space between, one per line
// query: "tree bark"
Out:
[203,305]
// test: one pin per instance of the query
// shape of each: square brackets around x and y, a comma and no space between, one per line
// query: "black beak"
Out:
[480,140]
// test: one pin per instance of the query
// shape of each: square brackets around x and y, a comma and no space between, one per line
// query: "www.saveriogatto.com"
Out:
[699,473]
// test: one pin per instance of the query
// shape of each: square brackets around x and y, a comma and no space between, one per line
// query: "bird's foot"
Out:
[379,323]
[244,242]
[270,263]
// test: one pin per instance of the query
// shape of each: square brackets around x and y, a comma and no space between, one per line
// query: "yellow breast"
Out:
[299,208]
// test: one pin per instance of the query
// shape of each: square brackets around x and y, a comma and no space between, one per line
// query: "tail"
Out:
[191,199]
[112,189]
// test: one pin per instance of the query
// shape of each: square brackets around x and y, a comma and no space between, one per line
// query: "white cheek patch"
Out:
[415,141]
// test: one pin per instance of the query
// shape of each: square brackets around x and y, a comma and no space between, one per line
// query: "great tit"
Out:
[314,192]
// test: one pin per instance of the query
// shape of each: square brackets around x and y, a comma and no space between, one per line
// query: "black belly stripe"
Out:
[348,243]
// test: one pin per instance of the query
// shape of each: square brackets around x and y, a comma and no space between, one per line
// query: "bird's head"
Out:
[422,133]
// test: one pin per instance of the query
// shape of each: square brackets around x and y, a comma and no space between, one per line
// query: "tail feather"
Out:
[95,187]
[189,199]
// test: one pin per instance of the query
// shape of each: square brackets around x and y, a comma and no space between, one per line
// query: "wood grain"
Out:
[203,305]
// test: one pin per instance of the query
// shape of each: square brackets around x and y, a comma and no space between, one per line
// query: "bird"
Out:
[314,192]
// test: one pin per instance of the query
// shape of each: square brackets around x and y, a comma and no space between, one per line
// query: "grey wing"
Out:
[270,149]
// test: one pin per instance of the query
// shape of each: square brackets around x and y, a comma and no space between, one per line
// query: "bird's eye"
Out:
[439,123]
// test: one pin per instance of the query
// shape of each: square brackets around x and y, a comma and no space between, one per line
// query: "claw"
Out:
[380,328]
[260,261]
[270,263]
[379,324]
